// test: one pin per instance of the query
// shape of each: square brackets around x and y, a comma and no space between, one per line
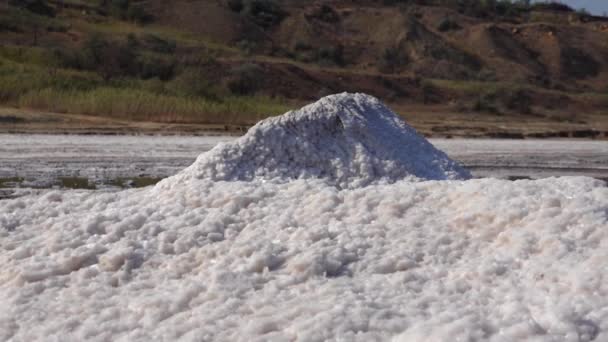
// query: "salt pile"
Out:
[349,140]
[239,250]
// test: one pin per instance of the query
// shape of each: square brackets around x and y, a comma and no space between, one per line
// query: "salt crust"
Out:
[279,255]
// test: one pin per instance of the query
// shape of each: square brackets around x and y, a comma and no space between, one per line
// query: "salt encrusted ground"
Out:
[42,160]
[253,242]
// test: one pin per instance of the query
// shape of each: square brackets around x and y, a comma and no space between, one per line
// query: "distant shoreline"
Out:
[237,130]
[430,121]
[131,161]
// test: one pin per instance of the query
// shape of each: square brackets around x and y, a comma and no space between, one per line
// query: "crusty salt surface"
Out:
[349,140]
[198,259]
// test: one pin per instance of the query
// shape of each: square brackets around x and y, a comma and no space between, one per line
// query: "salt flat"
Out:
[41,159]
[529,158]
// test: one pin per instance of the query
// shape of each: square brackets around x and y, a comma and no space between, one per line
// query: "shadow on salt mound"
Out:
[349,140]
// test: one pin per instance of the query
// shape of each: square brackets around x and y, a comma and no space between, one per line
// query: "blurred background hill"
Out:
[451,68]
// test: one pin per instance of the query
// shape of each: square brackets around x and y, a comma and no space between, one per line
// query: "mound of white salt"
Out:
[349,140]
[219,253]
[478,260]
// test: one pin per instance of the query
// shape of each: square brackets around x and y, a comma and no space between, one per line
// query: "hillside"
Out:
[235,61]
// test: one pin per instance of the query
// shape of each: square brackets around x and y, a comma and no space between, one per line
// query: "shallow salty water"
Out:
[95,161]
[85,161]
[529,158]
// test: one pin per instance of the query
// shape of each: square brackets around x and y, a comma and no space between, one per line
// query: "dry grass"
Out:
[27,83]
[140,105]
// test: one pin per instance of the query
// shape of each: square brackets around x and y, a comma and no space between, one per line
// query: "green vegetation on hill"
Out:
[235,61]
[134,74]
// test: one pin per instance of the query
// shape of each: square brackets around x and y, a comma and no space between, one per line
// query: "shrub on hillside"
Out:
[323,13]
[504,99]
[490,8]
[331,55]
[35,6]
[148,67]
[126,10]
[265,13]
[486,102]
[235,5]
[518,100]
[429,91]
[116,63]
[245,79]
[552,6]
[194,82]
[132,41]
[116,8]
[137,14]
[576,63]
[111,59]
[88,57]
[398,2]
[18,19]
[454,55]
[10,24]
[247,46]
[302,46]
[393,59]
[160,45]
[447,24]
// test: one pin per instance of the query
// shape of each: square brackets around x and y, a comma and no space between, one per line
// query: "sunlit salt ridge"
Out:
[348,140]
[261,252]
